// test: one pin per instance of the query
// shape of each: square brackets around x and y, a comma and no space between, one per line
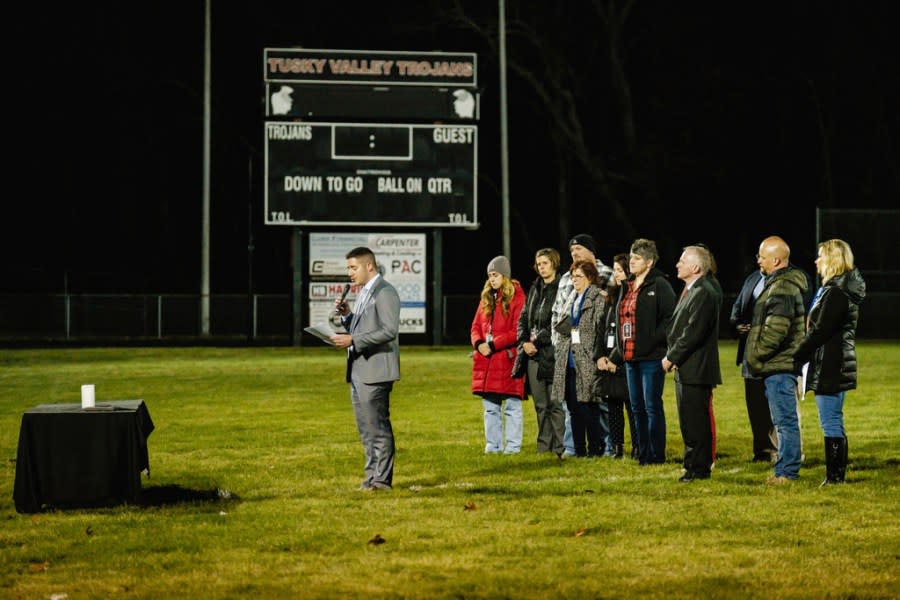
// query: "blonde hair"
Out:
[489,298]
[836,258]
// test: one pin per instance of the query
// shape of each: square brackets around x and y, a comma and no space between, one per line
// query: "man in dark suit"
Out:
[693,355]
[373,363]
[765,442]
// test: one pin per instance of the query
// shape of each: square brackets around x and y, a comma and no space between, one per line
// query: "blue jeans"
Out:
[645,389]
[831,414]
[568,438]
[603,418]
[493,425]
[781,393]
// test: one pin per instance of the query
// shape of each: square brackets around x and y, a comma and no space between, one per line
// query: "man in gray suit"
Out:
[373,363]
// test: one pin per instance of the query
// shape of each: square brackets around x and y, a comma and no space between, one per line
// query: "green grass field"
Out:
[274,427]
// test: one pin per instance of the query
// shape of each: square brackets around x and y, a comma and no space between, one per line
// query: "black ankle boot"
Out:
[835,460]
[620,451]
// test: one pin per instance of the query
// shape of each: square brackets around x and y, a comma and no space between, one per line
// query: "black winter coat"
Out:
[536,315]
[830,342]
[653,311]
[693,335]
[607,344]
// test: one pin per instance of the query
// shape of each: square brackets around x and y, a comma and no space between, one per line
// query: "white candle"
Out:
[87,396]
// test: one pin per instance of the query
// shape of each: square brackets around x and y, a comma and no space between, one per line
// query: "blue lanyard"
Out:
[576,317]
[818,295]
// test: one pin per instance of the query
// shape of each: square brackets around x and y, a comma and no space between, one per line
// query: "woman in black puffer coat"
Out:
[535,357]
[830,347]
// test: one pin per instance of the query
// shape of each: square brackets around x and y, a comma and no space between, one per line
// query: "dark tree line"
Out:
[627,118]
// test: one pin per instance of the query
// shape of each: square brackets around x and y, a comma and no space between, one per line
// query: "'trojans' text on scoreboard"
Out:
[368,174]
[304,65]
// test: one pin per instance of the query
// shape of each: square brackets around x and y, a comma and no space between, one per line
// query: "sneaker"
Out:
[778,480]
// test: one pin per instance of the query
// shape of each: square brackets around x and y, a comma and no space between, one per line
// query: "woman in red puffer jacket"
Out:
[493,337]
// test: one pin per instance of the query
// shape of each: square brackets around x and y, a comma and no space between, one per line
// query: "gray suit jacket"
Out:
[375,331]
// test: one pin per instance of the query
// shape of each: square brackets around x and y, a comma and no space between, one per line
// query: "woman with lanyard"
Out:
[574,370]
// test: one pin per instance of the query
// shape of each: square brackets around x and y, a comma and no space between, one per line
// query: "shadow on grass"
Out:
[158,496]
[868,462]
[602,475]
[170,495]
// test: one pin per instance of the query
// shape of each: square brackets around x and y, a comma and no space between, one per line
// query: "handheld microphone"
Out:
[343,296]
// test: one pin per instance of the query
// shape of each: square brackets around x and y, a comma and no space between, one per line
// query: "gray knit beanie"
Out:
[500,264]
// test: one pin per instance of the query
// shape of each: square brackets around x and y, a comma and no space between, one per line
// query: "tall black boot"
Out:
[835,465]
[842,464]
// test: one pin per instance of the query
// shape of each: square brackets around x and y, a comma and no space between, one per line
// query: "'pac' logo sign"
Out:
[406,266]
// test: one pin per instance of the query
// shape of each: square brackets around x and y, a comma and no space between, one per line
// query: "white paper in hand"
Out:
[321,330]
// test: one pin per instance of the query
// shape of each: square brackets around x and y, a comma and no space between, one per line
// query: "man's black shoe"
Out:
[689,477]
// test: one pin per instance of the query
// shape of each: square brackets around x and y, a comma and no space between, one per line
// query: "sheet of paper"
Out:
[801,382]
[321,330]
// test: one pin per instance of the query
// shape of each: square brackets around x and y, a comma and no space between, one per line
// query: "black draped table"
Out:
[70,456]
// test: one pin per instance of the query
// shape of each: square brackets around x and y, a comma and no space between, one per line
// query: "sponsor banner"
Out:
[401,261]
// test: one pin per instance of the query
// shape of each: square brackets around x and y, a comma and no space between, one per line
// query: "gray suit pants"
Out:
[371,406]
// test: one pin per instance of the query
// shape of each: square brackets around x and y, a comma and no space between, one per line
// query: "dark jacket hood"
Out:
[795,276]
[852,284]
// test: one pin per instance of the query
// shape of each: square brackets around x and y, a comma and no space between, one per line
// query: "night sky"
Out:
[719,122]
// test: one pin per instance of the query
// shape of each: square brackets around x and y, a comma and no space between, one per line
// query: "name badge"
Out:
[611,341]
[576,337]
[626,331]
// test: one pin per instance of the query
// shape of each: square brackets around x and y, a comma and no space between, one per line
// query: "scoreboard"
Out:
[370,84]
[361,174]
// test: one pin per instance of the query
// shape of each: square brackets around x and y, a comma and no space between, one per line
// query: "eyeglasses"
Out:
[577,276]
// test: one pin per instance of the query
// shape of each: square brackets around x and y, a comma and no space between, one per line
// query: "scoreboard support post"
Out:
[437,294]
[298,300]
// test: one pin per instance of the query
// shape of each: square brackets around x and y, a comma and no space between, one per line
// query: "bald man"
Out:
[776,330]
